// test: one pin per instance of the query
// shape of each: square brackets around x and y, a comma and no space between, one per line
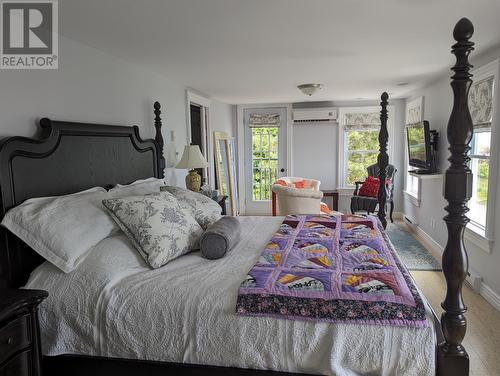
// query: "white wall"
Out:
[315,151]
[223,117]
[92,86]
[437,109]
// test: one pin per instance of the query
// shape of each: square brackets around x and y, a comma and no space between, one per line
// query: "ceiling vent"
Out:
[325,115]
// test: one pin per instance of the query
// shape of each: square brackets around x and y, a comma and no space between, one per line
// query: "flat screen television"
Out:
[419,146]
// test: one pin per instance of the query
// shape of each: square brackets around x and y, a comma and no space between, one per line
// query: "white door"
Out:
[265,156]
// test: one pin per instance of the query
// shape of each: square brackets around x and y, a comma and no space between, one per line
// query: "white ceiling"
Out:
[250,51]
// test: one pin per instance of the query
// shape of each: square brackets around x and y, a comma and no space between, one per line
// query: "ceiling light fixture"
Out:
[309,89]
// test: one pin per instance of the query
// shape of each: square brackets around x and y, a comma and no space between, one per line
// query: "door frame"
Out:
[206,127]
[240,140]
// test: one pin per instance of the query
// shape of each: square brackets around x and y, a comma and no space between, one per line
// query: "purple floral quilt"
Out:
[333,269]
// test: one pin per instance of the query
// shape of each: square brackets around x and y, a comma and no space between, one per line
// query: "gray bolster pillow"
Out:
[220,237]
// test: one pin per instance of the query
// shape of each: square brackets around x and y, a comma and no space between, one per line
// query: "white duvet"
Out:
[114,305]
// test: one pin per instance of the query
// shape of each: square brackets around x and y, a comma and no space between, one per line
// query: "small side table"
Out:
[20,352]
[334,194]
[221,200]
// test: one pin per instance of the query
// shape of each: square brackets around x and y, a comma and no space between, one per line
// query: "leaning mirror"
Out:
[225,170]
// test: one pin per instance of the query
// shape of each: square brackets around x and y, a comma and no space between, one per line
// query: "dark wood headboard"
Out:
[67,158]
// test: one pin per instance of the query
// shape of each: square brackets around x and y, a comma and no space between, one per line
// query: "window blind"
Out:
[481,103]
[362,121]
[264,120]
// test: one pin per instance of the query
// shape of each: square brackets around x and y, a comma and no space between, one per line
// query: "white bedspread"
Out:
[114,305]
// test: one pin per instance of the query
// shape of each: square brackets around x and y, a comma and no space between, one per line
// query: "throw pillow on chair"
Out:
[369,187]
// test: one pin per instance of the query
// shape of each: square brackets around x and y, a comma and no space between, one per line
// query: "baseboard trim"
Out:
[398,215]
[490,296]
[432,246]
[437,251]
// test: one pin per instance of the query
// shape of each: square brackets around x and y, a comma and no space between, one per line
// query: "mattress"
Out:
[114,305]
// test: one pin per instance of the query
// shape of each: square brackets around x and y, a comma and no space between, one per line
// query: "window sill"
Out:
[412,198]
[426,176]
[477,236]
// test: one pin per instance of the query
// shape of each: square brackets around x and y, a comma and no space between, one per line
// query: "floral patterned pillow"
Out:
[156,225]
[205,210]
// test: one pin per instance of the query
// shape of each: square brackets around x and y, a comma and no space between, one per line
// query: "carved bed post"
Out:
[159,137]
[452,357]
[383,159]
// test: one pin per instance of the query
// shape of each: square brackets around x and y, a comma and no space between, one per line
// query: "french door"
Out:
[265,155]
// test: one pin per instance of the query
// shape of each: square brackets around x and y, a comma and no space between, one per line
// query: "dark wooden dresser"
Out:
[20,353]
[334,194]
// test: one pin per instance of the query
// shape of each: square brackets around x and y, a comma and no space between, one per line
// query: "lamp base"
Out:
[193,181]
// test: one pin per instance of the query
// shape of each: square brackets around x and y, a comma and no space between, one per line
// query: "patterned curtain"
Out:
[413,115]
[481,102]
[362,121]
[264,120]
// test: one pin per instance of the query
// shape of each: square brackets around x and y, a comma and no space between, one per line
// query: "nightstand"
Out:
[20,353]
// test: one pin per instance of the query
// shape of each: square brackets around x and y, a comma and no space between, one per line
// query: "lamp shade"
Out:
[192,158]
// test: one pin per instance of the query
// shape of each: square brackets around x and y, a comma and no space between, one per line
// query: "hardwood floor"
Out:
[482,340]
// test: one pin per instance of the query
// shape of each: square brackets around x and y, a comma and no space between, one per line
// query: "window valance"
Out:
[362,121]
[264,120]
[481,102]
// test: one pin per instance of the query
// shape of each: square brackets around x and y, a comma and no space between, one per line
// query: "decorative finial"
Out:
[463,30]
[45,123]
[157,113]
[158,136]
[46,127]
[384,96]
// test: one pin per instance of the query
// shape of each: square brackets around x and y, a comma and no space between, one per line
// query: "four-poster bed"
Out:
[61,162]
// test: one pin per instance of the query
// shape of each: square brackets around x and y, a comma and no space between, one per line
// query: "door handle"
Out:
[282,170]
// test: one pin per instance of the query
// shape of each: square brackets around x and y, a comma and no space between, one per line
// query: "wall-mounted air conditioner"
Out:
[324,115]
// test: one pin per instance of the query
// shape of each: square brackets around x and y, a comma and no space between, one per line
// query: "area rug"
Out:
[412,253]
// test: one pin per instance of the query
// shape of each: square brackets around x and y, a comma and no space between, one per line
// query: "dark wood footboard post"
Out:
[383,159]
[452,357]
[159,137]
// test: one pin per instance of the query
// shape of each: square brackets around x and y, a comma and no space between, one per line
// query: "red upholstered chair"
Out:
[369,203]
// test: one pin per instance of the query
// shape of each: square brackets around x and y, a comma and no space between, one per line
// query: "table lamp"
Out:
[191,159]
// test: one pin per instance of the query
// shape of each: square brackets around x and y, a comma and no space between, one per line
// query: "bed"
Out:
[193,301]
[90,329]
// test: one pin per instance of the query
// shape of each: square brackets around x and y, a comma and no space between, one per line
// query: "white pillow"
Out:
[62,229]
[137,188]
[205,210]
[156,225]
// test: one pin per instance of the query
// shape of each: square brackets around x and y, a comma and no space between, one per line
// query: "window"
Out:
[481,107]
[265,133]
[414,114]
[359,143]
[264,161]
[362,151]
[412,183]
